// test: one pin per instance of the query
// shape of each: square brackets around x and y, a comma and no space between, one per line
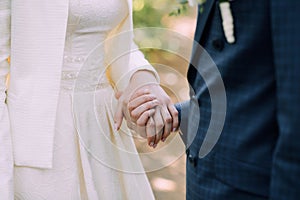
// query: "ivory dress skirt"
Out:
[90,160]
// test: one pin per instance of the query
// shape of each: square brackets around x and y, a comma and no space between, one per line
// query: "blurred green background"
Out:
[156,13]
[169,182]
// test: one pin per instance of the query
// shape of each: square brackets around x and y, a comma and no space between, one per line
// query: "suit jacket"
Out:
[33,35]
[258,153]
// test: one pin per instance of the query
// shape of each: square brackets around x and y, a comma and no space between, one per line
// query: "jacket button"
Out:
[194,99]
[218,44]
[187,152]
[192,160]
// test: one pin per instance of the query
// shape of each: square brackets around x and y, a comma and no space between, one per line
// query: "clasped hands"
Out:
[148,110]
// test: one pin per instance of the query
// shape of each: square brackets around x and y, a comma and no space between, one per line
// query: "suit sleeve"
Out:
[6,158]
[286,158]
[183,110]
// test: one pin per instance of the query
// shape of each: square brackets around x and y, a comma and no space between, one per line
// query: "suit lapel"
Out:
[202,19]
[201,23]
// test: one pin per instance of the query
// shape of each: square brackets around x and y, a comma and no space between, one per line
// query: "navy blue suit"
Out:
[258,153]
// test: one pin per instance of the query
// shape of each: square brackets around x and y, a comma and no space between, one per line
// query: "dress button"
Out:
[218,44]
[67,59]
[78,59]
[192,160]
[194,98]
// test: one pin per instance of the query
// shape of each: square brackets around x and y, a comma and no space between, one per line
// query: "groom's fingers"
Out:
[174,113]
[150,130]
[159,125]
[133,104]
[168,123]
[143,120]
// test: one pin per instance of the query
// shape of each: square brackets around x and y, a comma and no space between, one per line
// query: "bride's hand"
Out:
[153,113]
[123,112]
[165,116]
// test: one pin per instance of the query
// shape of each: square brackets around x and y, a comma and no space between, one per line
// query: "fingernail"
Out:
[163,139]
[116,127]
[174,129]
[151,144]
[154,146]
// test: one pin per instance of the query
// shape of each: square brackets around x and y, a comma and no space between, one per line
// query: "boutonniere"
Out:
[227,20]
[226,15]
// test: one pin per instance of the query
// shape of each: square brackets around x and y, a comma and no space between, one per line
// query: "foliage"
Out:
[157,13]
[148,13]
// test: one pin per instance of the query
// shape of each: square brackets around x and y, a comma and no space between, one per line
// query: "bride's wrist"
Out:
[142,78]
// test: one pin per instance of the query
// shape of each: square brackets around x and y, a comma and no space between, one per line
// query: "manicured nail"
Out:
[151,144]
[174,129]
[154,146]
[163,139]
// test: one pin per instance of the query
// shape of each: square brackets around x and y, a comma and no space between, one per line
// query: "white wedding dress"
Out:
[90,160]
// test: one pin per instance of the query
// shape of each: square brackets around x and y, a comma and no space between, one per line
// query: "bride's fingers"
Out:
[136,113]
[167,118]
[118,94]
[150,130]
[174,113]
[133,104]
[118,117]
[131,126]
